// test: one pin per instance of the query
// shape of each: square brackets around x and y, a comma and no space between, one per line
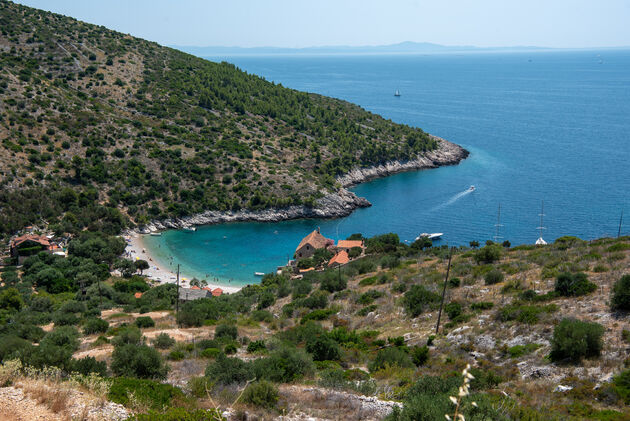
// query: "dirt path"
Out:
[17,407]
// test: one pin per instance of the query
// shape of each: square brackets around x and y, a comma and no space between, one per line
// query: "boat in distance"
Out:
[259,273]
[190,229]
[397,93]
[156,234]
[471,188]
[432,237]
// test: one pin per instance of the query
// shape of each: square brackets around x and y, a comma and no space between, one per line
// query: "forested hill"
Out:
[105,126]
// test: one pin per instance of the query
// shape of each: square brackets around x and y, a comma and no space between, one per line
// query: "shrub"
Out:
[284,365]
[482,305]
[621,383]
[391,356]
[418,298]
[179,414]
[454,282]
[163,341]
[212,353]
[323,348]
[176,355]
[369,297]
[13,347]
[453,309]
[151,393]
[577,284]
[230,349]
[144,321]
[139,361]
[227,370]
[574,340]
[420,355]
[256,346]
[262,316]
[493,277]
[226,331]
[520,350]
[620,299]
[95,326]
[262,394]
[88,365]
[333,283]
[128,335]
[64,336]
[488,254]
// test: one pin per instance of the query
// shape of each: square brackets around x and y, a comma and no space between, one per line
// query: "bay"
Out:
[550,126]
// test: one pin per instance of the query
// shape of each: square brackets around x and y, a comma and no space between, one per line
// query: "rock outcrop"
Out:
[331,205]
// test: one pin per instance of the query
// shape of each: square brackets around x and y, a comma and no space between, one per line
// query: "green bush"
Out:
[128,335]
[256,346]
[391,356]
[284,365]
[369,297]
[176,355]
[520,350]
[482,305]
[95,326]
[262,394]
[323,348]
[88,365]
[620,299]
[153,394]
[226,331]
[568,284]
[454,282]
[453,310]
[230,349]
[418,298]
[488,254]
[139,361]
[574,340]
[212,353]
[179,414]
[493,277]
[144,321]
[420,355]
[226,371]
[621,384]
[163,341]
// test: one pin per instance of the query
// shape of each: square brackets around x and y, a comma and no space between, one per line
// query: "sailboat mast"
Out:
[542,214]
[620,221]
[498,225]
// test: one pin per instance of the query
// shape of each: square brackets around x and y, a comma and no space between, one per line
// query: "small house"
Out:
[29,245]
[349,244]
[341,258]
[315,240]
[217,292]
[190,294]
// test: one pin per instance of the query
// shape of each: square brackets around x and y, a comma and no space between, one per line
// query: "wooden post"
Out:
[448,268]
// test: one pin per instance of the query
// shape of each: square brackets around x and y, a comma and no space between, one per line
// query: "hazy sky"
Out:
[301,23]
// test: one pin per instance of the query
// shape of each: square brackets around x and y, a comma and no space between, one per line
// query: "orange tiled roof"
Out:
[207,288]
[348,244]
[216,292]
[137,294]
[306,270]
[31,237]
[316,240]
[195,287]
[340,258]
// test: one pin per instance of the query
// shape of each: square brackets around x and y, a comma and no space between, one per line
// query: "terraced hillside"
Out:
[140,130]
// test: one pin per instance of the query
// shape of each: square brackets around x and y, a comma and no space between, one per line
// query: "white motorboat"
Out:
[156,234]
[190,229]
[434,236]
[259,273]
[471,188]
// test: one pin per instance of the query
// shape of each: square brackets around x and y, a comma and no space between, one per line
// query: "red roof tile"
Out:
[316,240]
[340,258]
[137,294]
[348,244]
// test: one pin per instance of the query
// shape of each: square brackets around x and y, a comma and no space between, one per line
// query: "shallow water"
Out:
[540,126]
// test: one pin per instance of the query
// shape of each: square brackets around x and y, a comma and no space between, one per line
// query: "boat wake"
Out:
[453,199]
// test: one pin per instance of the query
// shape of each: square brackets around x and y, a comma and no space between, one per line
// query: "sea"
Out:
[545,129]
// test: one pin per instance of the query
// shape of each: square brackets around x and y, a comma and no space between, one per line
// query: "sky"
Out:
[301,23]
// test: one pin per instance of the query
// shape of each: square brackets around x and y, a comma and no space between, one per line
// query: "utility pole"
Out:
[177,299]
[448,268]
[620,221]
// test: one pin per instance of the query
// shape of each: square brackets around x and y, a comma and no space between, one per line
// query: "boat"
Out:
[259,273]
[471,188]
[540,241]
[190,229]
[397,93]
[432,237]
[156,234]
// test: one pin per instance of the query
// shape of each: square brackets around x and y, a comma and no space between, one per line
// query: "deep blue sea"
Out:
[552,126]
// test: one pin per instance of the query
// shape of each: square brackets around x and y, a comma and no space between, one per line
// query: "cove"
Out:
[540,126]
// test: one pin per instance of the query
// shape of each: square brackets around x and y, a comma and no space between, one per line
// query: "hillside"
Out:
[138,130]
[543,328]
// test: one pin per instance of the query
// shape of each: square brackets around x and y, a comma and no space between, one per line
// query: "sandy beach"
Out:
[158,272]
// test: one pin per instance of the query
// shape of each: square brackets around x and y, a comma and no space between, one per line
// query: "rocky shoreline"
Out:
[333,205]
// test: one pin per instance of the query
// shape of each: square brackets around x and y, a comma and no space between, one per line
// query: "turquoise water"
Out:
[540,126]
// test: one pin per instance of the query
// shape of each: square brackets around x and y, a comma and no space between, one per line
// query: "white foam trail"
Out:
[452,200]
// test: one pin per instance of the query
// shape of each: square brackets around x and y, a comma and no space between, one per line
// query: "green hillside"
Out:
[140,130]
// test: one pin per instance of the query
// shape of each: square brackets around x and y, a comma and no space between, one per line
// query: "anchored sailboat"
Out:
[397,93]
[540,241]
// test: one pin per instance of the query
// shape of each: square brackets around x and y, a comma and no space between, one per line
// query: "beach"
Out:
[157,270]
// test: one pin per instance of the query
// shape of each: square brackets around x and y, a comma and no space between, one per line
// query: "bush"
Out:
[453,309]
[323,348]
[621,383]
[65,336]
[163,341]
[226,371]
[256,346]
[262,394]
[391,356]
[334,282]
[128,335]
[88,365]
[488,254]
[482,305]
[139,361]
[454,282]
[573,285]
[418,298]
[179,414]
[284,365]
[574,340]
[154,395]
[176,355]
[144,321]
[620,299]
[493,277]
[225,331]
[95,326]
[420,355]
[230,349]
[211,353]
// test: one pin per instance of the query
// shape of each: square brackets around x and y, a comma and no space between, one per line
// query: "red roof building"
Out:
[339,259]
[310,243]
[217,292]
[137,294]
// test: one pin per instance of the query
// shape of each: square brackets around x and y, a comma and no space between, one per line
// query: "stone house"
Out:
[315,240]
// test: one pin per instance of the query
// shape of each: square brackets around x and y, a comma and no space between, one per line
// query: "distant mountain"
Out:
[407,47]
